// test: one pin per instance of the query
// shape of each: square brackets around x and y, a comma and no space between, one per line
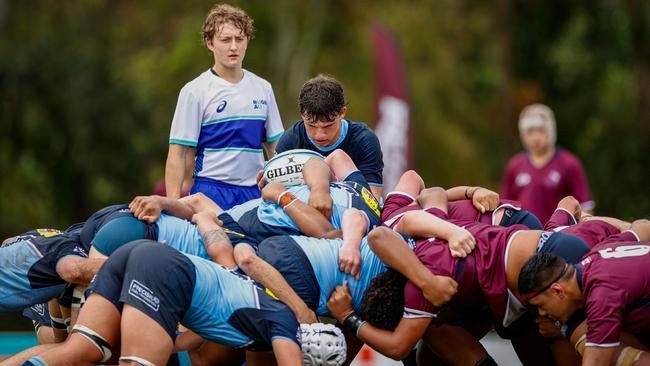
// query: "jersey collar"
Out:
[344,132]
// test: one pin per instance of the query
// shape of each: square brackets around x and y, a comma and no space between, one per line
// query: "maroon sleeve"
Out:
[560,217]
[396,204]
[579,187]
[604,314]
[627,235]
[415,305]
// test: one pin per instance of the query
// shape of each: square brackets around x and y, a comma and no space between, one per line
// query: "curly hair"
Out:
[220,14]
[383,302]
[321,98]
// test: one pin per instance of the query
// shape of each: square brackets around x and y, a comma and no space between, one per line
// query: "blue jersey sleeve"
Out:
[368,157]
[290,140]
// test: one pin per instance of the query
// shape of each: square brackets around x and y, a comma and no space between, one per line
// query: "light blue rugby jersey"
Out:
[272,214]
[181,235]
[218,293]
[323,254]
[236,212]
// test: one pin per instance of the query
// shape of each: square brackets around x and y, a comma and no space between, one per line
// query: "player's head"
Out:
[322,344]
[322,106]
[546,282]
[537,128]
[383,302]
[226,32]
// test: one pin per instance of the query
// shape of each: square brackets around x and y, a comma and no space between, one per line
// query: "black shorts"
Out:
[236,233]
[153,278]
[283,253]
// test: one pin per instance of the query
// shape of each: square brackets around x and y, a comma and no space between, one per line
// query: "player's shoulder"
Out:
[567,157]
[254,78]
[198,84]
[361,135]
[517,159]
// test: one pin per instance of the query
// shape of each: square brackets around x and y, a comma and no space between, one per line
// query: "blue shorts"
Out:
[363,200]
[153,278]
[224,194]
[39,314]
[513,217]
[114,226]
[235,233]
[569,247]
[283,253]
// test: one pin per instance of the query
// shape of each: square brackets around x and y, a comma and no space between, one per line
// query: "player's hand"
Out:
[350,260]
[306,316]
[272,191]
[340,302]
[439,291]
[321,201]
[259,178]
[485,200]
[461,243]
[206,216]
[548,327]
[146,208]
[572,205]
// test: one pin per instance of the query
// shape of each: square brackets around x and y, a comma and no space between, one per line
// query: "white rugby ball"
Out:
[286,168]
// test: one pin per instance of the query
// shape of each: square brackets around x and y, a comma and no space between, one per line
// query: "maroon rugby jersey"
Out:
[487,262]
[397,204]
[591,232]
[539,190]
[615,282]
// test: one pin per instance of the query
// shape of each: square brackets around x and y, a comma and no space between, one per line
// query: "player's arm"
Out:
[354,225]
[269,148]
[78,270]
[642,229]
[394,251]
[395,344]
[310,221]
[148,208]
[482,198]
[597,356]
[187,341]
[216,242]
[269,277]
[617,223]
[287,352]
[175,169]
[420,224]
[318,175]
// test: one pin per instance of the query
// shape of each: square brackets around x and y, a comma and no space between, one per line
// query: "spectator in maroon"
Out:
[544,173]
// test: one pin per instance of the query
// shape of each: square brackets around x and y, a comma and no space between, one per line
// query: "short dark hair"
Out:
[383,302]
[539,270]
[321,98]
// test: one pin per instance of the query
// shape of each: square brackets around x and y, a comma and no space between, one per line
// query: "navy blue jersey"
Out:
[28,267]
[97,220]
[357,140]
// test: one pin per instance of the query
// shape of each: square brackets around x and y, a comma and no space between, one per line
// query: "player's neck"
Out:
[540,158]
[232,75]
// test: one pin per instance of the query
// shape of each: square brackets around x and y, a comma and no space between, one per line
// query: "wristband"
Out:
[285,199]
[466,196]
[354,323]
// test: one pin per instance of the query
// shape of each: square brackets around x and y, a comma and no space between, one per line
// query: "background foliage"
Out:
[88,88]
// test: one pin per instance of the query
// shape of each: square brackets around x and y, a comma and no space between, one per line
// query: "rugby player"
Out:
[484,278]
[601,284]
[146,289]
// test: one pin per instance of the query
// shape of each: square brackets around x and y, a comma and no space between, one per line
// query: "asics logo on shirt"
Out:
[222,106]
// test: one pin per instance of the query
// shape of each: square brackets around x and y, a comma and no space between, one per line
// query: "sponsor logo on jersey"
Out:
[48,232]
[144,294]
[259,103]
[80,251]
[222,106]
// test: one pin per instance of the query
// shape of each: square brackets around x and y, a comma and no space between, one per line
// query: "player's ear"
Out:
[344,110]
[557,290]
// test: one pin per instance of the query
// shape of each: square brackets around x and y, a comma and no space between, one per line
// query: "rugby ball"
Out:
[286,168]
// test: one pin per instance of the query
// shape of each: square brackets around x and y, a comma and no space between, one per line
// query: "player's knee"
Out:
[94,339]
[380,235]
[244,256]
[579,346]
[133,360]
